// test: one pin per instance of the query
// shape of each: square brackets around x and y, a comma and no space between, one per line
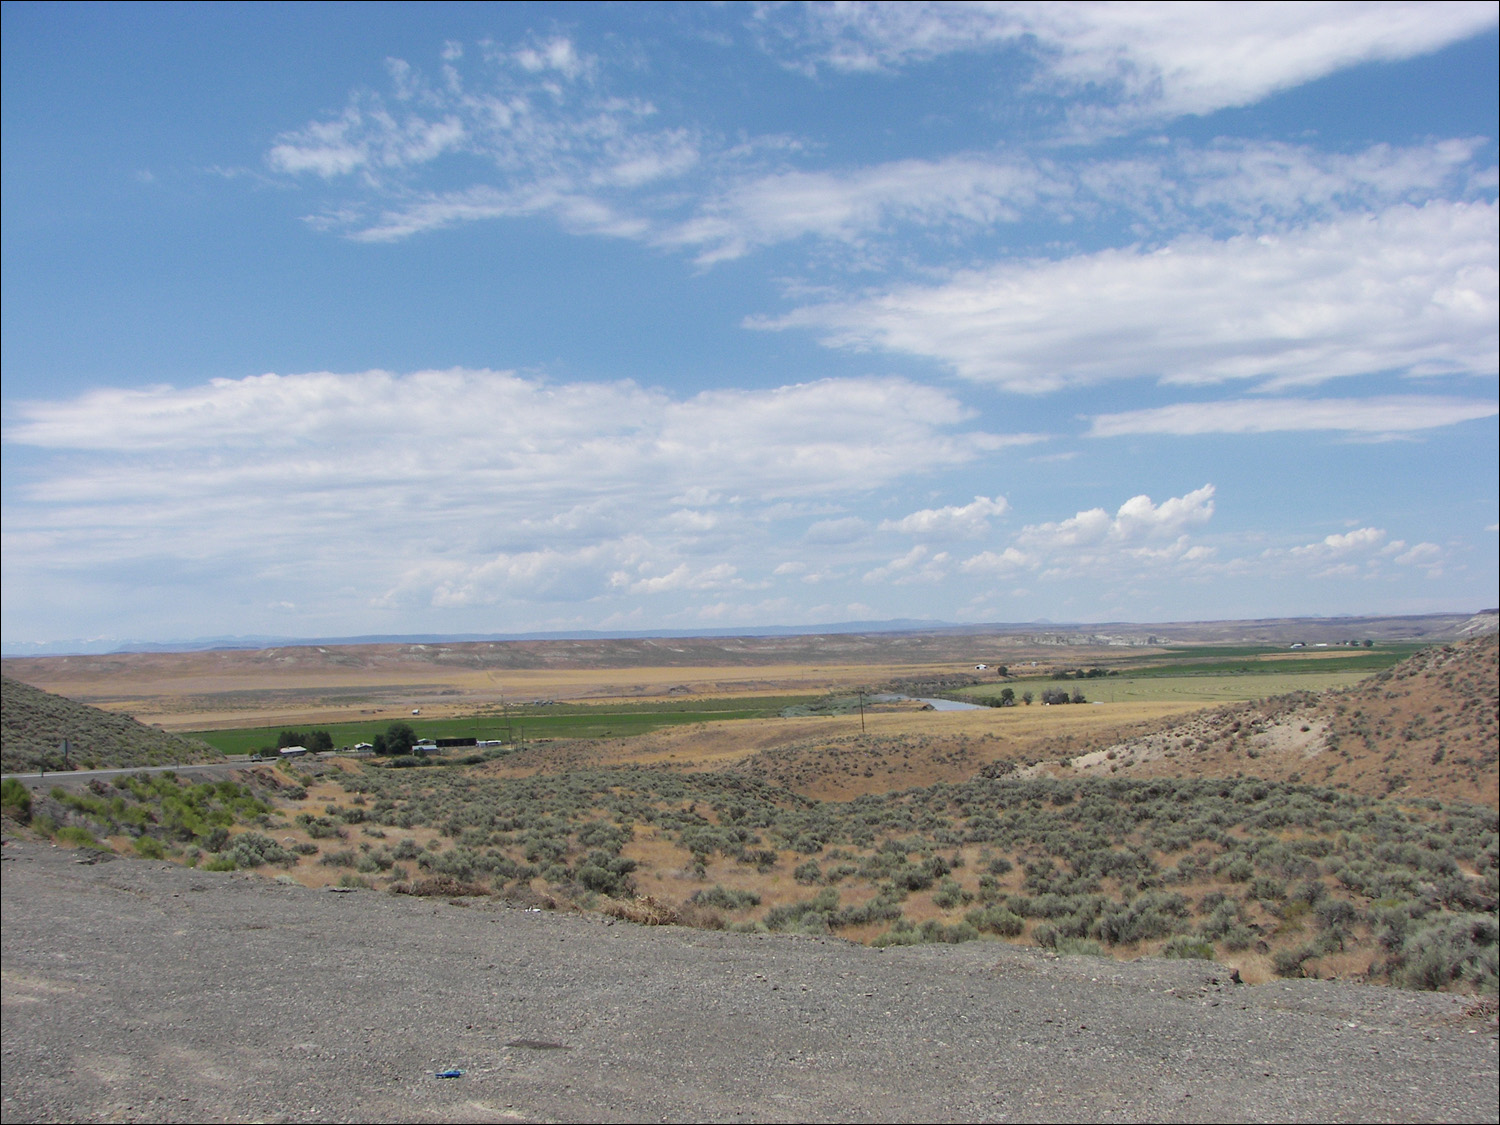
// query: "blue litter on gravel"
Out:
[452,1072]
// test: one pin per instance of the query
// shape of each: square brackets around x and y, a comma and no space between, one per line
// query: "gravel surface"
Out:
[140,991]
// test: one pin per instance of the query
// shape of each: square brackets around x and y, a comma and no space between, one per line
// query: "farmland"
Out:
[520,724]
[1172,678]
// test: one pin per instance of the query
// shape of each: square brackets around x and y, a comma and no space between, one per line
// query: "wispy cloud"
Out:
[543,130]
[1229,187]
[1387,414]
[1411,289]
[1146,60]
[553,140]
[920,564]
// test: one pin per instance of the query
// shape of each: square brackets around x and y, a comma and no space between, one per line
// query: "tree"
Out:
[1027,697]
[1078,697]
[398,738]
[319,741]
[1008,697]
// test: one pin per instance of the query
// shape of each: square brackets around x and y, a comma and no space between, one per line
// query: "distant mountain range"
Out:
[1434,626]
[108,645]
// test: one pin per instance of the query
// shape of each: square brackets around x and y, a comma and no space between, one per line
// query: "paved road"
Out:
[141,991]
[82,777]
[217,769]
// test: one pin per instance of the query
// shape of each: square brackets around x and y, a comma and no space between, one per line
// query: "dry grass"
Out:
[832,758]
[1380,737]
[1428,728]
[326,684]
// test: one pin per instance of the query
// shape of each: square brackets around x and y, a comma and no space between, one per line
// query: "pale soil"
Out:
[334,683]
[191,699]
[139,991]
[832,758]
[1431,728]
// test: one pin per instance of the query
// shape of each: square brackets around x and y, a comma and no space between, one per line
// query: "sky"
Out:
[339,320]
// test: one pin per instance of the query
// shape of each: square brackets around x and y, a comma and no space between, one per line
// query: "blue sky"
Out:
[339,320]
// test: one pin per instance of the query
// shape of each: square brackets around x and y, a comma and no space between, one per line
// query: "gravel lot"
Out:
[139,991]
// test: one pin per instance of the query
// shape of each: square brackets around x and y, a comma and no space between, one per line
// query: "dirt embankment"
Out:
[1429,727]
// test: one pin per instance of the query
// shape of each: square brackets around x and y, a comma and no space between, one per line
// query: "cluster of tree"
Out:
[398,738]
[1007,698]
[1058,695]
[1081,674]
[318,741]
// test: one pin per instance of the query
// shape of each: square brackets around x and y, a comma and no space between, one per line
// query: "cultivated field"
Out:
[326,684]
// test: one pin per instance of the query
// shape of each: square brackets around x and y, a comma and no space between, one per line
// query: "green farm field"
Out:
[1185,676]
[1261,660]
[1210,676]
[525,723]
[1195,688]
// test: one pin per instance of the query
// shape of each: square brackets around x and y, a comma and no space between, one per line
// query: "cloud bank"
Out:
[1411,289]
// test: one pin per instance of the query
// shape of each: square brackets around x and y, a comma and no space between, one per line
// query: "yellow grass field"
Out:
[312,685]
[1205,690]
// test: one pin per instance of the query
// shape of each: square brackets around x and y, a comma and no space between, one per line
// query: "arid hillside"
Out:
[1425,728]
[36,722]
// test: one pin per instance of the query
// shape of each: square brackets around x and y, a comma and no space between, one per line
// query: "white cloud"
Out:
[968,520]
[1410,289]
[1389,414]
[919,564]
[1007,561]
[852,205]
[1233,185]
[547,575]
[557,54]
[561,149]
[1361,541]
[1237,181]
[1137,519]
[1142,540]
[1140,59]
[845,530]
[1423,554]
[538,132]
[460,487]
[683,577]
[1363,553]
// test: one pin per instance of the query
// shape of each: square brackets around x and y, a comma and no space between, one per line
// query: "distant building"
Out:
[292,751]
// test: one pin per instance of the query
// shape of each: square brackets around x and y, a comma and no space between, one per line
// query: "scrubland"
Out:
[1346,833]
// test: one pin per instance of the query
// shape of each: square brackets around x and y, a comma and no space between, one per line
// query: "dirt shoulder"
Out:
[145,991]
